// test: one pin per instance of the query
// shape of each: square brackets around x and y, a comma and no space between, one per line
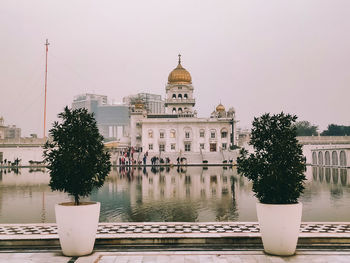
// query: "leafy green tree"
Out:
[76,156]
[336,130]
[277,165]
[305,128]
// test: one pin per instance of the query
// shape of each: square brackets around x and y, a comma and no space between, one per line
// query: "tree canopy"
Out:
[305,128]
[336,130]
[76,156]
[277,165]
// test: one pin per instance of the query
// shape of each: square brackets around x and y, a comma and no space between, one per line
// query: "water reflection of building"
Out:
[196,184]
[26,197]
[172,195]
[331,175]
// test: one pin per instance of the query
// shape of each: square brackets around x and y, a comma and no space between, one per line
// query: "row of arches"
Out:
[180,96]
[321,158]
[179,110]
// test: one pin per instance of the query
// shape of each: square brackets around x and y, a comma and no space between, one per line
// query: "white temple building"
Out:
[178,129]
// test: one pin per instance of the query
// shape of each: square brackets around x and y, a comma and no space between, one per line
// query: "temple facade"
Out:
[179,129]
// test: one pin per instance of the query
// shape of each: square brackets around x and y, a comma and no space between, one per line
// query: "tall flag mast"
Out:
[47,50]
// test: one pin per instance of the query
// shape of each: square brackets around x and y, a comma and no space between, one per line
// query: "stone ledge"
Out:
[175,235]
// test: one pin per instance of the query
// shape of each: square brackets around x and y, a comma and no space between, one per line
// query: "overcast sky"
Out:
[256,56]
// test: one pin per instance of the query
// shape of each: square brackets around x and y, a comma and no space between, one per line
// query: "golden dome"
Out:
[179,75]
[139,105]
[220,107]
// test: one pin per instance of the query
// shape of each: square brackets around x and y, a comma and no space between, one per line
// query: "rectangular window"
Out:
[161,147]
[223,134]
[172,134]
[161,135]
[224,146]
[187,147]
[201,146]
[150,134]
[212,135]
[150,146]
[172,146]
[201,133]
[187,135]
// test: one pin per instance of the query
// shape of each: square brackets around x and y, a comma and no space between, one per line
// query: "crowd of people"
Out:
[129,157]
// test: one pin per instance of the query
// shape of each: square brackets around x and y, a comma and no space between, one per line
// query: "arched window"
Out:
[314,158]
[188,133]
[161,134]
[334,158]
[320,158]
[174,110]
[150,134]
[179,110]
[174,96]
[342,158]
[327,158]
[179,96]
[185,96]
[224,133]
[212,134]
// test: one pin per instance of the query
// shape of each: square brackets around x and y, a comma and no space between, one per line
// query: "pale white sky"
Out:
[257,56]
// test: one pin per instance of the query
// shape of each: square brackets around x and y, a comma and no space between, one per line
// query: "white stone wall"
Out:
[181,126]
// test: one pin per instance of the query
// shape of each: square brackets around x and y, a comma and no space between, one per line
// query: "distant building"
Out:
[9,132]
[153,103]
[89,101]
[112,119]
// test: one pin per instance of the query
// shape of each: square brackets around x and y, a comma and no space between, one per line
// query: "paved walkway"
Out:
[306,256]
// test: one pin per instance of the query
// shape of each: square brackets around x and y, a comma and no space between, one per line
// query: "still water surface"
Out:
[193,195]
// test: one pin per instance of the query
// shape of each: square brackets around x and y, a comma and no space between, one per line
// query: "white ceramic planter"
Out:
[77,226]
[279,227]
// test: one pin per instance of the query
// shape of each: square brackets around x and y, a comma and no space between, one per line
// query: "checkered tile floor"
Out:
[174,228]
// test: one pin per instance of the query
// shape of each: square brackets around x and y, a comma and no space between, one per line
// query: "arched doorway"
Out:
[320,158]
[342,158]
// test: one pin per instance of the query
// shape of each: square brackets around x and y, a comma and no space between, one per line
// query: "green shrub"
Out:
[277,165]
[75,155]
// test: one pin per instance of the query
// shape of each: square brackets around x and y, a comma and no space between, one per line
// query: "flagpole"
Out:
[47,50]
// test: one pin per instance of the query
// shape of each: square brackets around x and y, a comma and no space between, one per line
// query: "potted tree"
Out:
[78,163]
[276,169]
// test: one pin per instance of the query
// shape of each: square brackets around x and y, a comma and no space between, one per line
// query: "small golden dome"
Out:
[220,108]
[179,75]
[139,105]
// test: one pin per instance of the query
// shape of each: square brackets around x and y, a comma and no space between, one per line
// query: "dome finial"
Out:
[179,58]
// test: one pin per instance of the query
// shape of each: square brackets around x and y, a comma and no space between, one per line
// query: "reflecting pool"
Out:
[192,194]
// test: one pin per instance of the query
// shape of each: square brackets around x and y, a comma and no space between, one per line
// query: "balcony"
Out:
[179,101]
